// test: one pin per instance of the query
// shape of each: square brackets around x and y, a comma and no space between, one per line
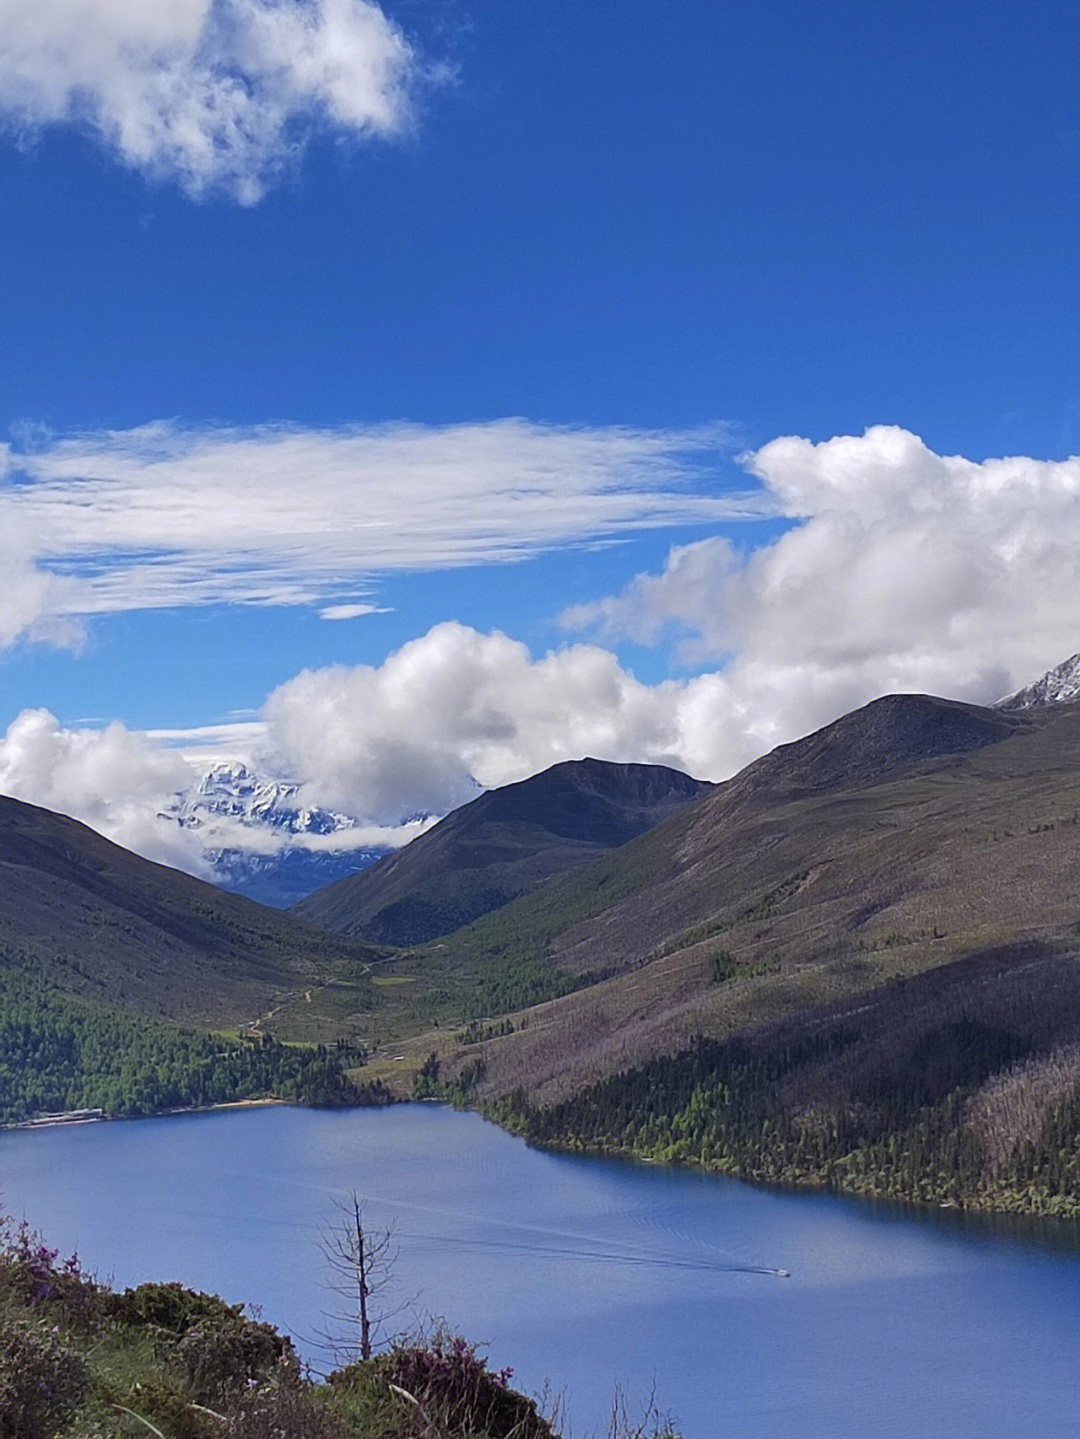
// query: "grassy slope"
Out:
[503,844]
[121,931]
[777,901]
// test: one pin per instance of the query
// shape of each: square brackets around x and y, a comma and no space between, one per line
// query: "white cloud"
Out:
[456,706]
[350,612]
[163,516]
[112,779]
[35,604]
[902,570]
[216,95]
[206,745]
[126,784]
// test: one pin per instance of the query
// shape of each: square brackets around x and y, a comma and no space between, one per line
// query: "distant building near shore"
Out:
[66,1116]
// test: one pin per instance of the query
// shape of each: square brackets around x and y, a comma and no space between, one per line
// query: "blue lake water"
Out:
[591,1274]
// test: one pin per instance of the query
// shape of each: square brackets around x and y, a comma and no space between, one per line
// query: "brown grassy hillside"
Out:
[117,929]
[913,835]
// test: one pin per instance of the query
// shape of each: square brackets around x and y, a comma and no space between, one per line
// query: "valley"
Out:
[864,947]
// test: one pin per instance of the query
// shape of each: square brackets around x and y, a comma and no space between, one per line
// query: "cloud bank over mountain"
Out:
[112,779]
[901,570]
[218,96]
[142,792]
[897,570]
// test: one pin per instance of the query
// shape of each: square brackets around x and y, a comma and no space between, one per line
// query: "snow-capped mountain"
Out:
[235,791]
[1060,685]
[263,842]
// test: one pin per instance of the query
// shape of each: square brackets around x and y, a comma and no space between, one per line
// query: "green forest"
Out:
[58,1053]
[762,1113]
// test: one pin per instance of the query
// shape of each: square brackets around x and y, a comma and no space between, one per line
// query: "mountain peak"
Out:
[261,840]
[500,845]
[1058,686]
[884,739]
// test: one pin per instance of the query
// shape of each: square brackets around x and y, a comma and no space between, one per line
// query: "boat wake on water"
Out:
[537,1241]
[527,1241]
[612,1254]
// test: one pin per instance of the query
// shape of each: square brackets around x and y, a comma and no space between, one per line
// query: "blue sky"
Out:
[530,319]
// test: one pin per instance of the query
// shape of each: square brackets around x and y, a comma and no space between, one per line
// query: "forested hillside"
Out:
[58,1054]
[961,1086]
[855,964]
[773,895]
[115,928]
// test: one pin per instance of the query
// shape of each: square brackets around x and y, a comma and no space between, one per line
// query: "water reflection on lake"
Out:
[592,1273]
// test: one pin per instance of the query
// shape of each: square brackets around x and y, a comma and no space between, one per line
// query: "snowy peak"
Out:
[234,791]
[1058,686]
[259,840]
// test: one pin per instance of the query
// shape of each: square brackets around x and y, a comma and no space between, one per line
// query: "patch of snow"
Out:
[1060,685]
[263,842]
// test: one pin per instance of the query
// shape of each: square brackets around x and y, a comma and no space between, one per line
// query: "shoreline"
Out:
[984,1204]
[76,1117]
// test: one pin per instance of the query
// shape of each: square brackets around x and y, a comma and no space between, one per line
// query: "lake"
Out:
[591,1274]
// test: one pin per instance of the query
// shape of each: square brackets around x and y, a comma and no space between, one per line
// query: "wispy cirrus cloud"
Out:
[219,96]
[167,516]
[351,611]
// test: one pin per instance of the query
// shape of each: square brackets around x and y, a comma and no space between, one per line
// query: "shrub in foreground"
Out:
[42,1382]
[33,1275]
[449,1390]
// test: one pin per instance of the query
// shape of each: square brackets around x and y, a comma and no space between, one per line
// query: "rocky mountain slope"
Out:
[501,845]
[1061,685]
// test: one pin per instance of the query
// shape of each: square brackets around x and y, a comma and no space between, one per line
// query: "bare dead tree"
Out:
[651,1425]
[360,1262]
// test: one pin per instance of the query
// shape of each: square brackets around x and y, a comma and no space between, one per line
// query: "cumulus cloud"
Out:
[113,779]
[162,516]
[216,95]
[456,708]
[901,570]
[134,787]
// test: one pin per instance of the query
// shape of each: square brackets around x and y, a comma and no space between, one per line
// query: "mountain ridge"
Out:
[1060,685]
[497,846]
[111,926]
[744,908]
